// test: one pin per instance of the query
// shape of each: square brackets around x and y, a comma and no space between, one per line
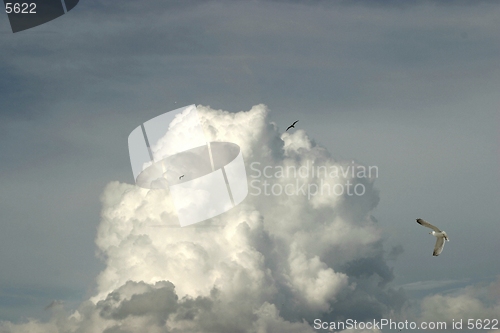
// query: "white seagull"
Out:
[440,235]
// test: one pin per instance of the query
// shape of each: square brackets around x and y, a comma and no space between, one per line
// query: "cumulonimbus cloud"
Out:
[273,263]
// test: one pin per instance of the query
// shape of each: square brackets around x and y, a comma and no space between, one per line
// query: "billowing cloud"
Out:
[476,302]
[302,245]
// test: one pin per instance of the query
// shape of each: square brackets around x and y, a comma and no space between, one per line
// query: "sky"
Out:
[411,88]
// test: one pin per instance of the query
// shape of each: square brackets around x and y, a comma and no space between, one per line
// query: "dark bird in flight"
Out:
[292,125]
[181,176]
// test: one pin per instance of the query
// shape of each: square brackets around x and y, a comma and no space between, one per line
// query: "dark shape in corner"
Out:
[70,4]
[27,14]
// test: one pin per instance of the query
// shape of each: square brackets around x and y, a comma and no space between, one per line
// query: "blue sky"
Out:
[412,89]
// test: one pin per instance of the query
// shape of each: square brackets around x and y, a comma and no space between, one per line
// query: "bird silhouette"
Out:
[292,125]
[181,176]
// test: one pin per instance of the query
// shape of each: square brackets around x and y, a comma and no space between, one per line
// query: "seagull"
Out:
[440,235]
[292,125]
[181,176]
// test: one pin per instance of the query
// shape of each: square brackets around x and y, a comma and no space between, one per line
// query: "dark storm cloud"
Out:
[366,267]
[101,50]
[240,49]
[158,303]
[395,252]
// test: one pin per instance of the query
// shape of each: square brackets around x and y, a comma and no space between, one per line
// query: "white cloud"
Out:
[313,280]
[271,264]
[472,302]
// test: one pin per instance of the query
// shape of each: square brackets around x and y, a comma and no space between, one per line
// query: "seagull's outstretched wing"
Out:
[428,225]
[438,248]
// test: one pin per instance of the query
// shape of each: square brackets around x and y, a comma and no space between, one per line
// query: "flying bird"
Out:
[181,176]
[440,235]
[292,125]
